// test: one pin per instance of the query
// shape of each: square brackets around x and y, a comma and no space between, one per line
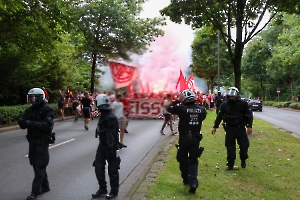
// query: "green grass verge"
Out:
[272,170]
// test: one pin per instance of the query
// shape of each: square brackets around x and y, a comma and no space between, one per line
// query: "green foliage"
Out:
[113,30]
[53,44]
[11,114]
[278,69]
[286,51]
[295,105]
[285,104]
[245,16]
[271,172]
[254,65]
[205,56]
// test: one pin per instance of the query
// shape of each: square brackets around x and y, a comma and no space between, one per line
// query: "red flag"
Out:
[123,75]
[181,83]
[191,83]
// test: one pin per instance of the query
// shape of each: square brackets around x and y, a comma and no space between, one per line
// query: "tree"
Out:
[254,65]
[113,30]
[286,60]
[27,32]
[205,56]
[36,50]
[244,15]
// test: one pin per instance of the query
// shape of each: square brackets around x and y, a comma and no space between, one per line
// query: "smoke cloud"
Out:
[160,65]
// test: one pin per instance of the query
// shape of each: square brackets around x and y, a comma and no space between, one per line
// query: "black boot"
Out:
[192,189]
[186,181]
[243,164]
[32,197]
[100,193]
[230,166]
[44,190]
[111,195]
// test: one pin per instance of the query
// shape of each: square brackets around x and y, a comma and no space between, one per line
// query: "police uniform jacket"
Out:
[38,120]
[218,100]
[234,113]
[108,129]
[191,116]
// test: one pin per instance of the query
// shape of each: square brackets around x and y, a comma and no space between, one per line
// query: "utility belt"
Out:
[191,134]
[49,137]
[235,125]
[225,126]
[115,146]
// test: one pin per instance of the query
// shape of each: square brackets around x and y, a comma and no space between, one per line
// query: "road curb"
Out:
[137,183]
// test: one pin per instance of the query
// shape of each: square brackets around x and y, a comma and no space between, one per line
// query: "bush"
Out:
[295,105]
[277,104]
[11,114]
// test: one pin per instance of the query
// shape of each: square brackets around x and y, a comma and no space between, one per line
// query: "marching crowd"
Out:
[190,108]
[84,104]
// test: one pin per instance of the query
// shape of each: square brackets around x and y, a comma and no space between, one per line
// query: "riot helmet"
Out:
[232,92]
[36,96]
[188,96]
[103,102]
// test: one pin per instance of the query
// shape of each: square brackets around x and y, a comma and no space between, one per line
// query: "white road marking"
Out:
[282,115]
[62,143]
[56,145]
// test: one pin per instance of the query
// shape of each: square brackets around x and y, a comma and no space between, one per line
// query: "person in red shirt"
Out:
[199,98]
[46,93]
[127,108]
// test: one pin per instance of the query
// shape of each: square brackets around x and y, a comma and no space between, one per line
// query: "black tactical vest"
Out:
[233,114]
[191,118]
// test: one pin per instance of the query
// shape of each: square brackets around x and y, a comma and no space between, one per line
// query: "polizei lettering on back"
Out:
[193,110]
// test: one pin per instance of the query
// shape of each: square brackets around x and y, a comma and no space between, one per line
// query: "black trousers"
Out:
[218,108]
[39,159]
[113,169]
[236,134]
[188,160]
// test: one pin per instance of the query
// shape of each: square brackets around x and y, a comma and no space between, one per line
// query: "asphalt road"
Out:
[287,119]
[70,171]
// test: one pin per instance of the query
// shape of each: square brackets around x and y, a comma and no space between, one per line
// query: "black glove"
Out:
[25,123]
[22,124]
[110,154]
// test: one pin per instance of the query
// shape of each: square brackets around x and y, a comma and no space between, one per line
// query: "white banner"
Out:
[146,108]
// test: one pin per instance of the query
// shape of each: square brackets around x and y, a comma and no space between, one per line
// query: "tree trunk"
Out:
[262,90]
[93,73]
[239,46]
[237,73]
[292,83]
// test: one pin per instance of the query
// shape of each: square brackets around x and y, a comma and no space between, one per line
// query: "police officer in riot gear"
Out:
[107,131]
[190,116]
[218,101]
[38,120]
[236,115]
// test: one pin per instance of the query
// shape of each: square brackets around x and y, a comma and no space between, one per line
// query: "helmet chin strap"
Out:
[37,106]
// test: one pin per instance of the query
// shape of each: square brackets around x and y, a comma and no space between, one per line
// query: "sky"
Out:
[160,65]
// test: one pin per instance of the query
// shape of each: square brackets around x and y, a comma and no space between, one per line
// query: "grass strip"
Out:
[272,170]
